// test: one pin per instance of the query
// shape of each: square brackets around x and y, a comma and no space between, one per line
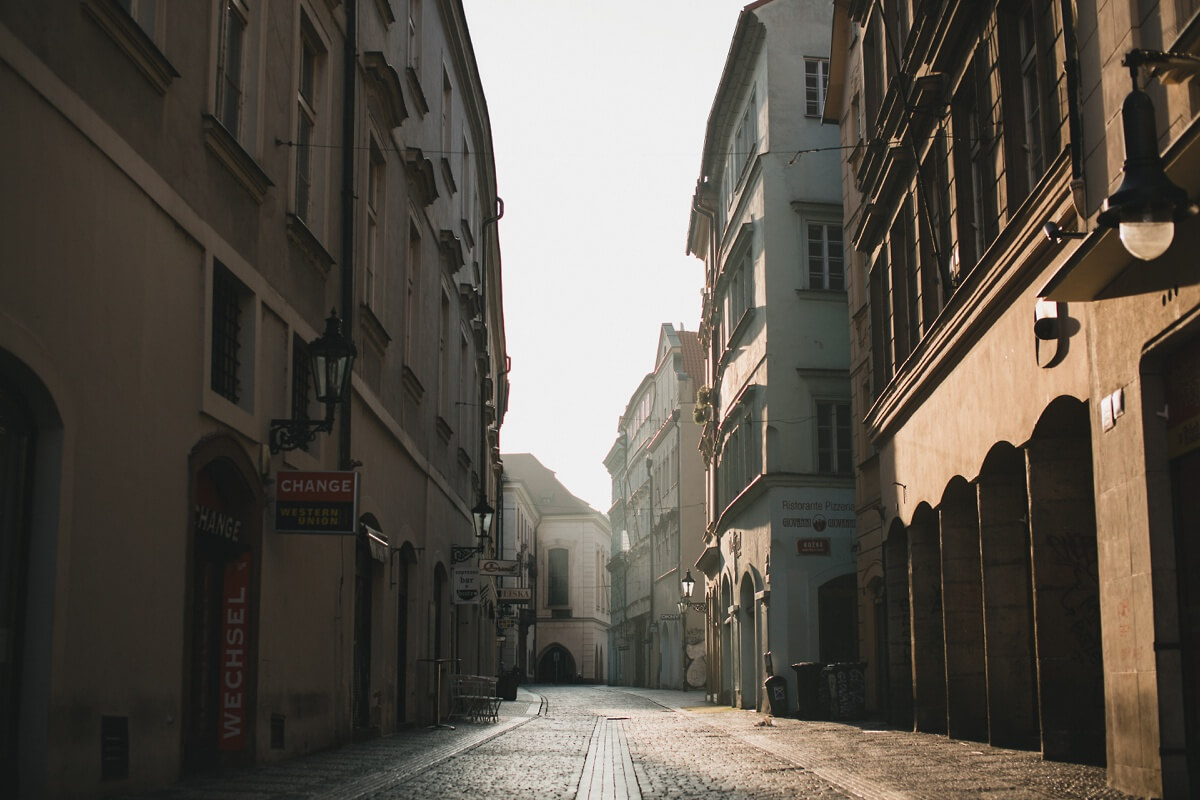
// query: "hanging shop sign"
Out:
[461,555]
[514,594]
[493,567]
[316,502]
[466,585]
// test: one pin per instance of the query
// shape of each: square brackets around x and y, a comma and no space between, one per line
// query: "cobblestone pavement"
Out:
[596,743]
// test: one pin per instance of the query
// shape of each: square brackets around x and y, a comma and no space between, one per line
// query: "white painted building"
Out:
[780,489]
[570,586]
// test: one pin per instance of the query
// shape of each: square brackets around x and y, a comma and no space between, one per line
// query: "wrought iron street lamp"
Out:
[331,363]
[482,513]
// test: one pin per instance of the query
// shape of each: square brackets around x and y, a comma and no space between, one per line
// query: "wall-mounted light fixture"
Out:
[1146,206]
[331,362]
[482,514]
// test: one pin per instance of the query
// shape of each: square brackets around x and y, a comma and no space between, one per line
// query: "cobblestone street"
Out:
[607,742]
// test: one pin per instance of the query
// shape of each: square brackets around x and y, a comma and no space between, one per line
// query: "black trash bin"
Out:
[847,686]
[506,686]
[775,687]
[808,684]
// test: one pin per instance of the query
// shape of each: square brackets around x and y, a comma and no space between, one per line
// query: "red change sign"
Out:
[316,502]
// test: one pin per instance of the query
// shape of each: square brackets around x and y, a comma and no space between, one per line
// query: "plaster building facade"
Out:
[571,589]
[1023,383]
[657,517]
[188,190]
[767,222]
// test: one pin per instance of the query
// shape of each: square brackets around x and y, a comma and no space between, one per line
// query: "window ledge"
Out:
[133,41]
[448,175]
[412,384]
[372,328]
[414,86]
[308,242]
[445,432]
[240,164]
[825,295]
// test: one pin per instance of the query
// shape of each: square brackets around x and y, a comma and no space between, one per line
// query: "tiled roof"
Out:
[693,355]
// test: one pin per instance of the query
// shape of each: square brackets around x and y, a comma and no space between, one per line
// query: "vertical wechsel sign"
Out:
[234,619]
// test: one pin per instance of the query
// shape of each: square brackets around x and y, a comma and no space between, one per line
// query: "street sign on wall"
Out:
[514,594]
[496,567]
[316,502]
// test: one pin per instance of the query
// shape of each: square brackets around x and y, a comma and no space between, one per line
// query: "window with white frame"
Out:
[414,36]
[144,13]
[375,229]
[741,458]
[311,57]
[816,82]
[739,291]
[232,87]
[745,145]
[826,256]
[833,438]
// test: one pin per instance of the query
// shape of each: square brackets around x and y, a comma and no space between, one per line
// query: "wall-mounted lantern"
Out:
[331,363]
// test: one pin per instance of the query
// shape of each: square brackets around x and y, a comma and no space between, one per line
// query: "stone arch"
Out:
[556,664]
[962,613]
[925,608]
[1066,583]
[223,579]
[725,600]
[1007,598]
[746,626]
[899,665]
[31,453]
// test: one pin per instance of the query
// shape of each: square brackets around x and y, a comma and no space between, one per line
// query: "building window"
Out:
[144,13]
[308,101]
[1035,123]
[816,82]
[231,77]
[447,116]
[833,438]
[740,458]
[374,243]
[881,338]
[444,404]
[228,322]
[826,257]
[414,36]
[745,144]
[301,396]
[739,292]
[411,293]
[557,588]
[975,178]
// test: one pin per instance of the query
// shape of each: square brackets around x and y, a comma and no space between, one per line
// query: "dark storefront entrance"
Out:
[226,532]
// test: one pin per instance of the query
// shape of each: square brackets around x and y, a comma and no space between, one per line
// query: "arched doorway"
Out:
[221,678]
[556,665]
[725,600]
[898,628]
[31,446]
[17,442]
[748,668]
[402,560]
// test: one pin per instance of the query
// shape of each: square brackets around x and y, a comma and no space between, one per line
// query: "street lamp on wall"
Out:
[482,514]
[331,363]
[1146,206]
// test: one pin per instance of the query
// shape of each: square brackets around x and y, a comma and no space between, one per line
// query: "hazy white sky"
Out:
[598,111]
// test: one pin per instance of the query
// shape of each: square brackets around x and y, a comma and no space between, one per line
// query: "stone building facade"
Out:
[188,189]
[1022,383]
[564,567]
[658,521]
[775,405]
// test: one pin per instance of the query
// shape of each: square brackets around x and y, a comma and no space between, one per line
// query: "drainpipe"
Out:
[350,68]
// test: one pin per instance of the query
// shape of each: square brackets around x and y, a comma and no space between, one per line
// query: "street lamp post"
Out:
[688,585]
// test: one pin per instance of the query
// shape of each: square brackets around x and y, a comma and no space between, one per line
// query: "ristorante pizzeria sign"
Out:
[316,502]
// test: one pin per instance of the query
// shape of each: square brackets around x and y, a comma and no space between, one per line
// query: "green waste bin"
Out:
[808,691]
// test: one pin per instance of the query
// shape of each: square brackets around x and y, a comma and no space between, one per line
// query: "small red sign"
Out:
[316,502]
[235,615]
